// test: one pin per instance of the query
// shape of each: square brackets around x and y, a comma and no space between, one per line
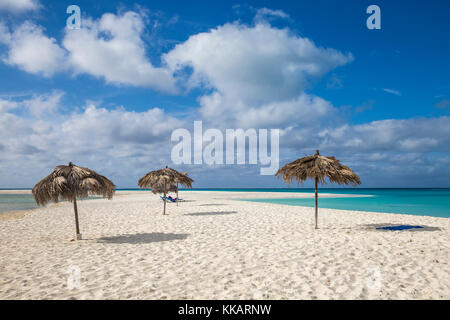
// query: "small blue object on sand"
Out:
[171,199]
[400,228]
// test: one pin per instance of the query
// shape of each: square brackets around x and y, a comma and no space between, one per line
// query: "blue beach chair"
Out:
[169,198]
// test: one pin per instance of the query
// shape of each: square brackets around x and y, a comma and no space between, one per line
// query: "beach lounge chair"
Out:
[174,199]
[169,198]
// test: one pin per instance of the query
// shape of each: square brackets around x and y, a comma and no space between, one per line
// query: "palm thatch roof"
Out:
[320,167]
[71,182]
[166,176]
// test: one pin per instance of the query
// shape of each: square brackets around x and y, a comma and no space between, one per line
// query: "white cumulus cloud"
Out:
[19,5]
[255,64]
[256,73]
[122,144]
[264,14]
[403,135]
[31,50]
[112,48]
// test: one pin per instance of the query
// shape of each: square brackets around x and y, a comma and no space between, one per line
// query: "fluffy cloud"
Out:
[120,143]
[264,14]
[407,135]
[6,105]
[37,106]
[93,126]
[258,64]
[31,50]
[44,105]
[119,126]
[19,5]
[303,110]
[5,36]
[251,70]
[112,48]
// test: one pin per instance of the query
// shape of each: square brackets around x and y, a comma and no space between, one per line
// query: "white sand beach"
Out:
[214,247]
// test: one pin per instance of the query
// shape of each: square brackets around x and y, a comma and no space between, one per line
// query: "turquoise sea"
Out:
[428,202]
[12,202]
[425,202]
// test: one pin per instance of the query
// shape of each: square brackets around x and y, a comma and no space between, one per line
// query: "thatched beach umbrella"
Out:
[69,183]
[319,168]
[164,177]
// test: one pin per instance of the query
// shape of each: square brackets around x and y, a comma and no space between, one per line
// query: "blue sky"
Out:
[109,95]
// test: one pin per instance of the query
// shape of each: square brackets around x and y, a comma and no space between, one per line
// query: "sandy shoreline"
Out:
[12,191]
[214,247]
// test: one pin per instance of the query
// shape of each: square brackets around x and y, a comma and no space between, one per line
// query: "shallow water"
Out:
[428,202]
[425,202]
[11,202]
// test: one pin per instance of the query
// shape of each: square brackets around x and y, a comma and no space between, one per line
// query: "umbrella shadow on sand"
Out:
[412,228]
[144,238]
[211,213]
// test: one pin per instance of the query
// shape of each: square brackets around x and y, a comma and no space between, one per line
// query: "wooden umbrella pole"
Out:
[177,194]
[77,225]
[316,201]
[164,197]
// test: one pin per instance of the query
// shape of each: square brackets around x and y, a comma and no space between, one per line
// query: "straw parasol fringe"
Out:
[319,168]
[69,183]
